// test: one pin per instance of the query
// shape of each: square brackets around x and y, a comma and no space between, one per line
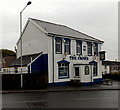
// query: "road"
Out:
[76,99]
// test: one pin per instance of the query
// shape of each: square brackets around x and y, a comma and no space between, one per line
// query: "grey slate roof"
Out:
[58,29]
[25,60]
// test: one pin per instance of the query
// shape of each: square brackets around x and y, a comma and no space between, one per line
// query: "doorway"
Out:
[77,72]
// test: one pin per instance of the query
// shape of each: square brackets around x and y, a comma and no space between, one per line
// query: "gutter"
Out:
[83,39]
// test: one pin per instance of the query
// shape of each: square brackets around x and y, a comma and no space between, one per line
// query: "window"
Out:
[58,44]
[77,71]
[94,69]
[67,46]
[105,66]
[79,47]
[89,45]
[96,49]
[63,70]
[86,70]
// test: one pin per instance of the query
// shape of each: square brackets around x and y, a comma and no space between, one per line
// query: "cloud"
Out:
[94,17]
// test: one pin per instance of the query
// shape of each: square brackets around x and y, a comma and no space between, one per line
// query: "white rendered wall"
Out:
[59,57]
[33,41]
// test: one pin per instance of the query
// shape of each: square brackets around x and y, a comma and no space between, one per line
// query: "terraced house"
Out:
[62,53]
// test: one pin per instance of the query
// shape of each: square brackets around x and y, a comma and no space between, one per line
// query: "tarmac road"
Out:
[73,99]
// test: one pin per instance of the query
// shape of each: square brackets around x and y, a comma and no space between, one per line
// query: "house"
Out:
[63,53]
[111,67]
[5,61]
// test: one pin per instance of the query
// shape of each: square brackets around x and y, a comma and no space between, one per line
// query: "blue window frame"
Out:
[67,46]
[63,69]
[86,70]
[79,47]
[95,48]
[89,48]
[95,68]
[58,45]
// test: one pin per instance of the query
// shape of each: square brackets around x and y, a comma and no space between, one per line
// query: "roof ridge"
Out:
[47,22]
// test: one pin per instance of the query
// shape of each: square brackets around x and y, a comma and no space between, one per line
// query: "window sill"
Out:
[58,53]
[63,77]
[76,76]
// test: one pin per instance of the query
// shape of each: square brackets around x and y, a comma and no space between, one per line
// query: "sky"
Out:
[98,18]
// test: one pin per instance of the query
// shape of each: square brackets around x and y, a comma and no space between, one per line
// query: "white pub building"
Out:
[64,53]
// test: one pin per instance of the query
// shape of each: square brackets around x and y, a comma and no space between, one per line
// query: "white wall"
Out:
[59,57]
[33,41]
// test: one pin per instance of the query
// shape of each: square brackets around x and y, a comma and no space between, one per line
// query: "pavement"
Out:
[106,86]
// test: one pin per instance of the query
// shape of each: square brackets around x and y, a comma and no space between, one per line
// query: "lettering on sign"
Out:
[78,58]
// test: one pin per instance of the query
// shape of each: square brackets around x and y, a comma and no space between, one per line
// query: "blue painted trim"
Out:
[79,41]
[67,39]
[89,43]
[58,84]
[96,81]
[63,61]
[58,38]
[93,62]
[40,64]
[87,84]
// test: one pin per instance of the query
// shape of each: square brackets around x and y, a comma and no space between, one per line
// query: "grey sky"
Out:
[98,18]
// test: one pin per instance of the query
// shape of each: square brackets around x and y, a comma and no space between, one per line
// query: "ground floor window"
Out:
[63,70]
[95,70]
[86,70]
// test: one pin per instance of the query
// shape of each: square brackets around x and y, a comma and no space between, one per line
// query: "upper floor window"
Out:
[67,45]
[89,48]
[58,44]
[96,49]
[79,47]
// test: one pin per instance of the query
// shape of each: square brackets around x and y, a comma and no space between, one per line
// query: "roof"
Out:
[63,30]
[25,60]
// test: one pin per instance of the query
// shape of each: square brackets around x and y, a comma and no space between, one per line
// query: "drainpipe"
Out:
[91,74]
[53,57]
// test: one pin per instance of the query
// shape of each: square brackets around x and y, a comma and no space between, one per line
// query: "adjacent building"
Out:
[5,61]
[111,67]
